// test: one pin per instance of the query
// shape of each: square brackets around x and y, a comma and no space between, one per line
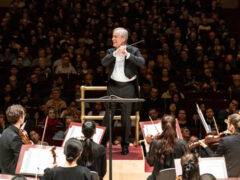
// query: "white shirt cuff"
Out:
[128,55]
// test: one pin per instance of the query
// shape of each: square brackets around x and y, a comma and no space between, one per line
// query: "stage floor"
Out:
[127,170]
[127,167]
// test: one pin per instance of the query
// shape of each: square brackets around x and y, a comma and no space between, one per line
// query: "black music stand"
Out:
[111,99]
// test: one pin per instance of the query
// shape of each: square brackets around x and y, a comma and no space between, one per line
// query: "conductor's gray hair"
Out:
[123,32]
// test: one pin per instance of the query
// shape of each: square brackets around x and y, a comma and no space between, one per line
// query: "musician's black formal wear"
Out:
[229,146]
[99,159]
[70,173]
[10,146]
[123,83]
[179,150]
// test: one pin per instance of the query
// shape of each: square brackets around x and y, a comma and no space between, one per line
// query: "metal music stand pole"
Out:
[109,100]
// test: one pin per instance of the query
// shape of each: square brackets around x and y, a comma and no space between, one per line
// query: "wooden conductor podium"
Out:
[111,99]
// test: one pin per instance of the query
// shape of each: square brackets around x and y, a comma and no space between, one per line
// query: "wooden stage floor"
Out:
[127,170]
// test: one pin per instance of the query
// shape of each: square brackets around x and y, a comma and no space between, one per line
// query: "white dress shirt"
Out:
[118,71]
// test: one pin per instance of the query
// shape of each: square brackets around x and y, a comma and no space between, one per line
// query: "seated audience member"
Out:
[224,113]
[97,110]
[59,135]
[71,110]
[182,118]
[2,123]
[190,167]
[53,121]
[93,155]
[207,176]
[185,134]
[153,113]
[34,136]
[70,170]
[165,148]
[195,147]
[56,102]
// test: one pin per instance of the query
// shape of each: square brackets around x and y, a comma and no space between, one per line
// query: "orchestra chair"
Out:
[169,174]
[94,175]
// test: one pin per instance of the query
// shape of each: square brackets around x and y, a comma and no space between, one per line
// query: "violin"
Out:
[24,135]
[210,139]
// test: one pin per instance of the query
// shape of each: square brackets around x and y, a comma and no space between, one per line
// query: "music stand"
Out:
[111,99]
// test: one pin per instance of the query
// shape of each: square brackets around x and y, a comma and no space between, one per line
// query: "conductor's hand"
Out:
[121,50]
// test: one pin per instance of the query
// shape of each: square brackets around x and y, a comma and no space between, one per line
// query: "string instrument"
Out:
[24,135]
[54,154]
[210,139]
[44,130]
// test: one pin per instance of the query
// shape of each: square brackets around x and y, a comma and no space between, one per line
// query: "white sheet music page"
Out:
[35,160]
[76,132]
[215,166]
[150,129]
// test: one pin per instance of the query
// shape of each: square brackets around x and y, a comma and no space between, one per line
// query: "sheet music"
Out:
[205,125]
[76,131]
[37,159]
[213,165]
[150,129]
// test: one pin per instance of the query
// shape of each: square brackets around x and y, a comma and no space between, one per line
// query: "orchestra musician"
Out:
[229,146]
[165,148]
[11,141]
[70,170]
[123,61]
[93,155]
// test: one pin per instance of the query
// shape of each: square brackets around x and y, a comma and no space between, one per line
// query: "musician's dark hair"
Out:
[14,112]
[72,149]
[207,176]
[190,167]
[166,141]
[88,130]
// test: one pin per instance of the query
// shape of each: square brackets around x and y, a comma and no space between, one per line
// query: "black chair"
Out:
[94,175]
[169,174]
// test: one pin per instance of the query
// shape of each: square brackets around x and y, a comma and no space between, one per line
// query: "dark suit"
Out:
[99,159]
[123,89]
[179,150]
[229,146]
[10,146]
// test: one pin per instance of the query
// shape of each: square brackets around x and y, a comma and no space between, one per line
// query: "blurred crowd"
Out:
[49,48]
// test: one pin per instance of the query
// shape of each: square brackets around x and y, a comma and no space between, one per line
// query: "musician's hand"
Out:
[121,50]
[149,138]
[202,143]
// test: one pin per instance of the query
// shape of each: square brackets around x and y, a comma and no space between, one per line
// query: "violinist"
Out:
[165,148]
[229,146]
[11,141]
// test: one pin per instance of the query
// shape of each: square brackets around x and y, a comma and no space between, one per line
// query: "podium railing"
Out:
[86,117]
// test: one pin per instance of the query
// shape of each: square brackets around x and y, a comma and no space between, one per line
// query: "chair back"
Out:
[94,175]
[169,174]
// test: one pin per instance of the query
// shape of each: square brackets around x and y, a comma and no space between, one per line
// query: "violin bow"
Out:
[153,124]
[215,125]
[44,131]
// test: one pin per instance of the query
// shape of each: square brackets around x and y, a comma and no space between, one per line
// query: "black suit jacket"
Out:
[99,159]
[130,68]
[10,146]
[229,146]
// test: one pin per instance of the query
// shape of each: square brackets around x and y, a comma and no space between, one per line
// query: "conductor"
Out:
[122,61]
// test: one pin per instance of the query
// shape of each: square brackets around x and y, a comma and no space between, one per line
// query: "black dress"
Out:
[10,146]
[99,159]
[69,173]
[179,150]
